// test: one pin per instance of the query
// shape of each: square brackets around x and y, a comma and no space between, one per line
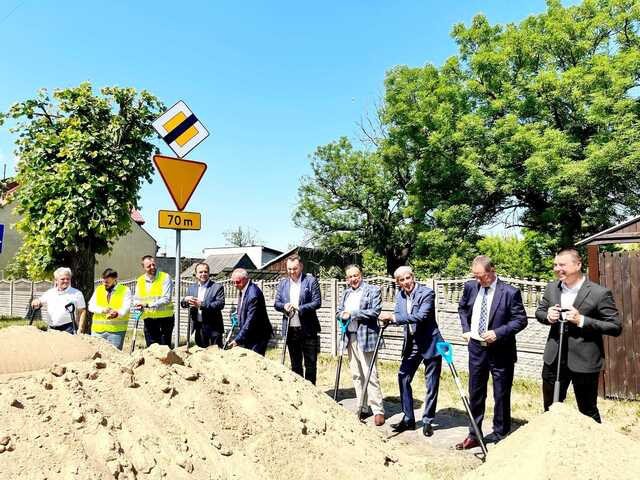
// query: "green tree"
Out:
[354,202]
[82,160]
[242,237]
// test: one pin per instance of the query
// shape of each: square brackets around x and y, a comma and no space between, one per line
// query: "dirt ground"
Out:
[209,414]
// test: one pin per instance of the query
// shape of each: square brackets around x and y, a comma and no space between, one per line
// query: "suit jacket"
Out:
[308,302]
[585,349]
[366,316]
[422,318]
[212,305]
[507,317]
[253,319]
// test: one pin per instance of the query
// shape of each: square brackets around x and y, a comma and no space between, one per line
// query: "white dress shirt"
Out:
[568,297]
[351,304]
[294,299]
[477,305]
[55,300]
[126,303]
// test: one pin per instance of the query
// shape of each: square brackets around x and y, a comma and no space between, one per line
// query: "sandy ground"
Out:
[209,414]
[562,444]
[76,408]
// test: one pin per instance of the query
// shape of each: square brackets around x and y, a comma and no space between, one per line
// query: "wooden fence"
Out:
[15,295]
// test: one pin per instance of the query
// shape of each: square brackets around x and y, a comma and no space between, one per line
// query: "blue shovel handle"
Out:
[343,323]
[445,350]
[234,320]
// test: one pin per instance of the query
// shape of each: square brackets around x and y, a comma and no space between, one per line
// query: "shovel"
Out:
[137,313]
[31,312]
[373,364]
[71,308]
[234,324]
[445,350]
[343,330]
[556,386]
[290,315]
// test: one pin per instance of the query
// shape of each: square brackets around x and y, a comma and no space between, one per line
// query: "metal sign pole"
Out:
[177,292]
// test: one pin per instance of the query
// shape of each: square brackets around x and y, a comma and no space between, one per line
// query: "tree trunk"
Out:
[82,265]
[397,259]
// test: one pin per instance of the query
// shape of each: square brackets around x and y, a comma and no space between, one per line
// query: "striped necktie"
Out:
[482,324]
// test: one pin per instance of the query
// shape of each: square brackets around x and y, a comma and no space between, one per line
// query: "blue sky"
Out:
[270,80]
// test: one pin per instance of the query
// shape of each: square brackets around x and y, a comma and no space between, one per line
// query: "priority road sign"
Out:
[180,176]
[180,128]
[178,220]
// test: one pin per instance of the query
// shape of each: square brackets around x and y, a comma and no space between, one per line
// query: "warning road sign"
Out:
[180,128]
[180,176]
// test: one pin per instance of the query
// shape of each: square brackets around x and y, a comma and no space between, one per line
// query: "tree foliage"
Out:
[535,125]
[353,201]
[82,161]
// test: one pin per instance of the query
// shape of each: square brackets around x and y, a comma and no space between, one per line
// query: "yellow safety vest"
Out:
[153,295]
[100,321]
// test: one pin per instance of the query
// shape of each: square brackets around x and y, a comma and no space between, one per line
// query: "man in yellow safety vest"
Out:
[110,305]
[154,291]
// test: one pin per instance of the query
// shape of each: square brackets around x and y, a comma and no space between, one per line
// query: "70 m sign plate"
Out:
[178,220]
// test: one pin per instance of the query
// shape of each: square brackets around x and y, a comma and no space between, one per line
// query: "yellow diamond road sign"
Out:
[180,128]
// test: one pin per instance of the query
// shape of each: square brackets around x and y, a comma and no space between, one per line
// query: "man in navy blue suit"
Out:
[300,294]
[416,311]
[255,327]
[205,301]
[491,313]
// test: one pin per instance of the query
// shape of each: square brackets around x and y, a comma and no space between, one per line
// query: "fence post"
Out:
[332,314]
[11,298]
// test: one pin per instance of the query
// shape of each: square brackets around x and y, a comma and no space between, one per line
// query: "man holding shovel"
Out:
[589,313]
[298,298]
[415,310]
[361,305]
[491,314]
[56,300]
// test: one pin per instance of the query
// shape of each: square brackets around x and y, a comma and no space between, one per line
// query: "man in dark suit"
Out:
[205,301]
[491,313]
[300,294]
[255,327]
[416,311]
[589,312]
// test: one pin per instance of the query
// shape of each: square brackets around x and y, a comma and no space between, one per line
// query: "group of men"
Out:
[491,314]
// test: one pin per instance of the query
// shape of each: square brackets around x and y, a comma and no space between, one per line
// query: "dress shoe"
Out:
[403,426]
[427,429]
[378,419]
[467,443]
[493,437]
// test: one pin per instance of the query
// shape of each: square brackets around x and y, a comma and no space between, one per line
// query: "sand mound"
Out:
[209,414]
[24,349]
[562,444]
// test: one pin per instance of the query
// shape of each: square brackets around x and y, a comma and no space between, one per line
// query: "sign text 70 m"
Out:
[178,220]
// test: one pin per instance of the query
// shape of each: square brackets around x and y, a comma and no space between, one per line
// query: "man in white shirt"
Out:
[110,305]
[58,300]
[360,305]
[589,312]
[491,314]
[300,293]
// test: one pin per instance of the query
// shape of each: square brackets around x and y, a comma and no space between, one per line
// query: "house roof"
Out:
[218,263]
[625,232]
[279,257]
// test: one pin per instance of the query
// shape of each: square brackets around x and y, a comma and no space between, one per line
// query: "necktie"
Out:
[482,324]
[238,305]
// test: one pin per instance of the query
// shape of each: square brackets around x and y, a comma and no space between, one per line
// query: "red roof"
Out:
[136,216]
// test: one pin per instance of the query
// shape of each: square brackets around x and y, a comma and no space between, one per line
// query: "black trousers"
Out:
[585,388]
[303,347]
[481,364]
[206,335]
[158,330]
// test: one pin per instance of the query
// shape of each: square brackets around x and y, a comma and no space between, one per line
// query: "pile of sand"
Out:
[562,444]
[209,414]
